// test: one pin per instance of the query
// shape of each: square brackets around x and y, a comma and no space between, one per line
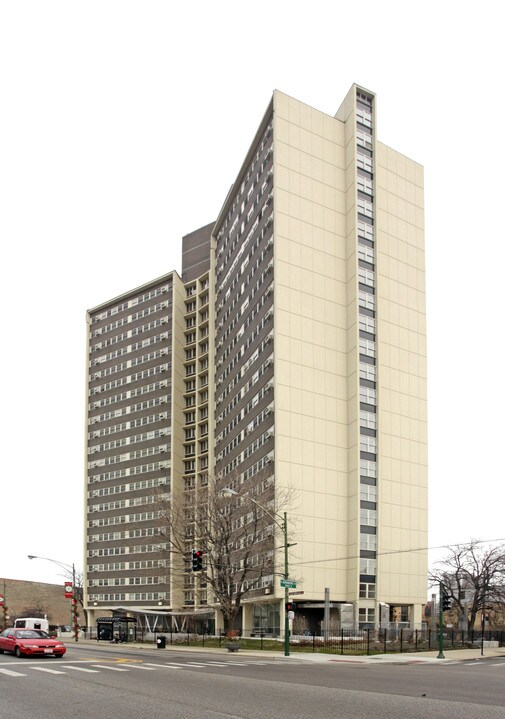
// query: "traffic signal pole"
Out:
[286,588]
[440,654]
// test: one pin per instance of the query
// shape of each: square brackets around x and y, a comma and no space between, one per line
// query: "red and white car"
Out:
[30,643]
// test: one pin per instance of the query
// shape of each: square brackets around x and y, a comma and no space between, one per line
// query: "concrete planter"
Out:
[233,646]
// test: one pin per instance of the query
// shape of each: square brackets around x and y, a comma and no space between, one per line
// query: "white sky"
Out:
[122,126]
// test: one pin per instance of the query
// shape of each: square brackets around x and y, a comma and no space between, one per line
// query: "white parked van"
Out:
[32,623]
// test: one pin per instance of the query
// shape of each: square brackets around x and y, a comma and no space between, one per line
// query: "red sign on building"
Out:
[69,590]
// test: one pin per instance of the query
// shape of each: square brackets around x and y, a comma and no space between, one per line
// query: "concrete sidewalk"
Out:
[451,655]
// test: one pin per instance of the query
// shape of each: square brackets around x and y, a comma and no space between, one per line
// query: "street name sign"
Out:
[291,583]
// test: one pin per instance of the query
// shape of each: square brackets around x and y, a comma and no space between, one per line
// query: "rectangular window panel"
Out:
[367,419]
[367,395]
[367,347]
[367,371]
[368,542]
[366,590]
[367,324]
[364,162]
[365,230]
[368,518]
[368,566]
[366,277]
[366,253]
[368,444]
[367,300]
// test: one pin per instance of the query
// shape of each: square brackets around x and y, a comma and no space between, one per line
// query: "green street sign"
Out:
[288,583]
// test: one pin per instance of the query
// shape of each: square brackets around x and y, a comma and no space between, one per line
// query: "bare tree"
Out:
[473,578]
[37,609]
[235,535]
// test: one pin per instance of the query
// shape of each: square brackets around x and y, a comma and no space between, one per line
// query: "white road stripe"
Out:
[12,674]
[46,669]
[106,666]
[146,669]
[82,669]
[163,666]
[194,664]
[219,664]
[499,664]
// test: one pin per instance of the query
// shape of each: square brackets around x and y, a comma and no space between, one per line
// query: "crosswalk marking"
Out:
[152,667]
[261,664]
[46,669]
[12,674]
[499,664]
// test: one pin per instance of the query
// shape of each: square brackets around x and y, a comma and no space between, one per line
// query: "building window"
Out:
[366,347]
[368,567]
[189,450]
[366,616]
[366,253]
[368,542]
[367,324]
[367,395]
[365,207]
[365,230]
[367,300]
[368,518]
[368,444]
[366,590]
[368,468]
[365,184]
[364,162]
[364,117]
[367,371]
[366,277]
[367,419]
[363,139]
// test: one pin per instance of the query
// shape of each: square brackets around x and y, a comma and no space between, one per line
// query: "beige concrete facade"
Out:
[317,357]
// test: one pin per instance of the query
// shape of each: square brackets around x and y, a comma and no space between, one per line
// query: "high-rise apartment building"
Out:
[296,367]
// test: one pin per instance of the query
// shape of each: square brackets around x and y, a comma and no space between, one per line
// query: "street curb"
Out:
[452,656]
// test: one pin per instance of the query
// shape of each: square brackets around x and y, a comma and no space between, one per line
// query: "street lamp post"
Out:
[71,568]
[282,523]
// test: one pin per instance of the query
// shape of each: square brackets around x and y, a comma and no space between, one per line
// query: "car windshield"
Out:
[31,634]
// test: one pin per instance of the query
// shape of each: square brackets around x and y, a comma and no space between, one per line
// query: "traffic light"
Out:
[197,563]
[446,601]
[290,606]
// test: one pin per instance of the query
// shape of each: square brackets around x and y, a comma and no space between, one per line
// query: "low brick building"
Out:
[35,599]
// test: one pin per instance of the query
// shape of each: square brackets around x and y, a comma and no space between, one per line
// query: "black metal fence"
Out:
[386,641]
[346,641]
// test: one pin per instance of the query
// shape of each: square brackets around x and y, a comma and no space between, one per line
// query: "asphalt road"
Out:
[131,684]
